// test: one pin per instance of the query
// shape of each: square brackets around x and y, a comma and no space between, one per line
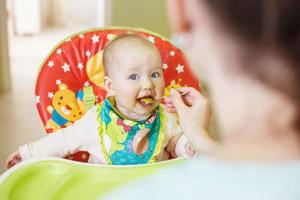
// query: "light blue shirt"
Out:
[209,179]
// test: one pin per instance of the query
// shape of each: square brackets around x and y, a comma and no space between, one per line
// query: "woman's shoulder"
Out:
[207,178]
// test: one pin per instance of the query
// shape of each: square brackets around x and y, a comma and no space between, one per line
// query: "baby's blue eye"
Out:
[155,75]
[133,77]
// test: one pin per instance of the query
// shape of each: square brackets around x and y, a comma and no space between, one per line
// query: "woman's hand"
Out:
[13,159]
[194,113]
[193,109]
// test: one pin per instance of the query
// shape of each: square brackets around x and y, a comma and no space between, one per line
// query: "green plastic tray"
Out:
[62,179]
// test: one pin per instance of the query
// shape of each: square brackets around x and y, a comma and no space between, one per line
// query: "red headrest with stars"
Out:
[73,73]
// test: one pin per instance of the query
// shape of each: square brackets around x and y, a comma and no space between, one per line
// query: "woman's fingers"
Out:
[169,105]
[185,97]
[189,92]
[168,100]
[171,110]
[189,95]
[178,102]
[193,109]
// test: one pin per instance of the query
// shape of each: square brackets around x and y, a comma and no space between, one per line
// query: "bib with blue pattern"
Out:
[121,133]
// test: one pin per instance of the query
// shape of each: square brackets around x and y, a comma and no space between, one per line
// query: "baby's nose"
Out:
[147,84]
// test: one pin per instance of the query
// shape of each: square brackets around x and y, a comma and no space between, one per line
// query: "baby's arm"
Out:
[59,144]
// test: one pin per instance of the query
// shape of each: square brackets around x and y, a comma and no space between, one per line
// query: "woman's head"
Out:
[252,42]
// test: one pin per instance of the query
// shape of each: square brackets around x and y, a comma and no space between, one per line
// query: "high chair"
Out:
[70,79]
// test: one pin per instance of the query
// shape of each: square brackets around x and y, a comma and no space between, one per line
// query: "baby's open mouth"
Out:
[147,100]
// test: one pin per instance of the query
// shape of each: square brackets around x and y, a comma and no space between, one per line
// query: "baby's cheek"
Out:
[160,87]
[127,100]
[160,92]
[130,101]
[127,93]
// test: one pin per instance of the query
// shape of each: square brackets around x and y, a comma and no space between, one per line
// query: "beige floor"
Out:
[19,121]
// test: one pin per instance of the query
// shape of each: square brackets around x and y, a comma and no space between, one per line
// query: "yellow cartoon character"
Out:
[65,109]
[173,85]
[94,66]
[95,69]
[116,134]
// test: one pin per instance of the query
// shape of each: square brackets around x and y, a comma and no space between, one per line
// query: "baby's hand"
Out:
[190,152]
[13,159]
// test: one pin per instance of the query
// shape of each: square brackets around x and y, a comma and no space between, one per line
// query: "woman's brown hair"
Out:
[266,25]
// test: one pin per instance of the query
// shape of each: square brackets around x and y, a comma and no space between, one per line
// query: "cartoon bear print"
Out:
[65,109]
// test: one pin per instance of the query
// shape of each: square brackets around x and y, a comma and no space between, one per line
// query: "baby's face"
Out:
[137,79]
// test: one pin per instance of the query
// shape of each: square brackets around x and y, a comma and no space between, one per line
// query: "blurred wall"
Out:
[81,12]
[68,13]
[5,81]
[148,14]
[27,16]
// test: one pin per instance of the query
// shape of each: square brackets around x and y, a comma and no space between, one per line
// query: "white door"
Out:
[27,16]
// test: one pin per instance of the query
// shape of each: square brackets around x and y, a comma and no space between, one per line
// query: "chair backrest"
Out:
[73,74]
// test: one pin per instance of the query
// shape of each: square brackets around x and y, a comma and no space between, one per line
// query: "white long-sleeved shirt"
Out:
[83,136]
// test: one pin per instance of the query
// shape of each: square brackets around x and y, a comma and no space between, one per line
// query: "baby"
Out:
[130,126]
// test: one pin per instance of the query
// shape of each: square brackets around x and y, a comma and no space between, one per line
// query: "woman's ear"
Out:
[109,86]
[184,14]
[177,16]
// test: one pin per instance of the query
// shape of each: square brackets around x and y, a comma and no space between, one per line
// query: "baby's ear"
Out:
[109,86]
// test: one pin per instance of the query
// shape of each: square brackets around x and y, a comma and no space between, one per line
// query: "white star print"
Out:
[172,53]
[80,66]
[88,53]
[59,51]
[81,36]
[95,38]
[86,84]
[151,39]
[68,40]
[110,36]
[50,63]
[37,99]
[165,66]
[66,67]
[58,82]
[83,156]
[180,68]
[50,95]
